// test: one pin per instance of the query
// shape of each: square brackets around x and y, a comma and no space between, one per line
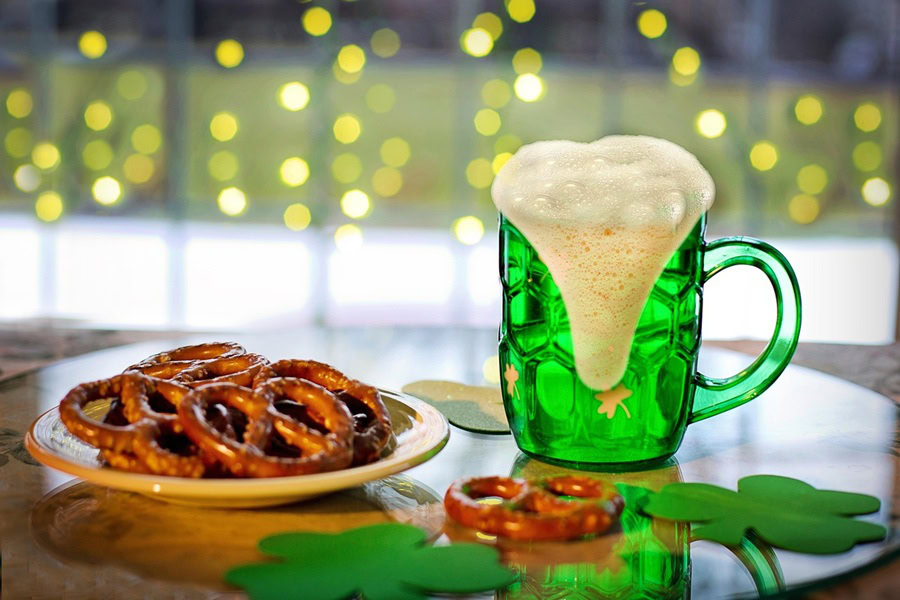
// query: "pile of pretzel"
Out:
[214,410]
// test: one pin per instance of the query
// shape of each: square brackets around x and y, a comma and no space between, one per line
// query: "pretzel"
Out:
[240,370]
[534,510]
[257,451]
[192,354]
[371,420]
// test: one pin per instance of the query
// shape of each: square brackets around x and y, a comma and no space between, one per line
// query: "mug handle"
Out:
[714,396]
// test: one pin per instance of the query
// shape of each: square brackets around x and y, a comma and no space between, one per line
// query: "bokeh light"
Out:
[232,201]
[763,156]
[297,216]
[520,11]
[348,237]
[812,179]
[529,87]
[17,142]
[476,42]
[803,208]
[496,93]
[92,44]
[387,181]
[45,156]
[355,204]
[499,161]
[343,76]
[490,23]
[394,152]
[131,85]
[507,143]
[808,109]
[867,116]
[867,156]
[351,58]
[223,165]
[346,167]
[48,207]
[347,129]
[106,190]
[651,23]
[469,230]
[876,191]
[138,168]
[490,369]
[27,178]
[385,43]
[679,79]
[146,138]
[97,155]
[710,123]
[98,115]
[294,171]
[223,126]
[19,103]
[293,96]
[686,61]
[380,98]
[316,21]
[229,53]
[527,60]
[487,121]
[479,173]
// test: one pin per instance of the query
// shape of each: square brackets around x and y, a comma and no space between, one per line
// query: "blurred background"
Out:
[237,165]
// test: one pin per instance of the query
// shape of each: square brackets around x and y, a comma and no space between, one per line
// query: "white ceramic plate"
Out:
[420,431]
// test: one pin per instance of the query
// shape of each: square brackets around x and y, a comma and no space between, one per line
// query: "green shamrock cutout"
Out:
[389,561]
[786,513]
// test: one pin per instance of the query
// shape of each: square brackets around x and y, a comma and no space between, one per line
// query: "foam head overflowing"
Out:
[605,218]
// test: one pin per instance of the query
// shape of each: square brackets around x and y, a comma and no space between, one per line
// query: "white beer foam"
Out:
[605,218]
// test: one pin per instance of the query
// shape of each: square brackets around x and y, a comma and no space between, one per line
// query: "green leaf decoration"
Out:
[388,561]
[786,513]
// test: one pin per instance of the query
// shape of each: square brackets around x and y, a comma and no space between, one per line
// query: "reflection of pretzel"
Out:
[271,443]
[535,510]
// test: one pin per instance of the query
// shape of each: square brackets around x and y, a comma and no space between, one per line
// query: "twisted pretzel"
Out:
[240,370]
[534,510]
[371,420]
[255,450]
[170,363]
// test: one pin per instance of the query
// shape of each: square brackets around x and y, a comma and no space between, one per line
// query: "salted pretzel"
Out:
[170,363]
[371,420]
[535,510]
[271,443]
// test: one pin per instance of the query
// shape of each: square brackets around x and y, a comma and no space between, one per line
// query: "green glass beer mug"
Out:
[553,415]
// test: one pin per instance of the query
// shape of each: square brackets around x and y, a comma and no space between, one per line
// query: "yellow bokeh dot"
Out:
[106,190]
[686,61]
[348,237]
[19,103]
[520,11]
[529,87]
[97,155]
[223,165]
[351,58]
[45,156]
[763,156]
[27,178]
[681,80]
[98,115]
[527,60]
[496,93]
[469,230]
[48,207]
[651,23]
[380,98]
[138,168]
[490,23]
[92,44]
[146,138]
[476,42]
[812,179]
[499,161]
[355,204]
[867,116]
[387,181]
[803,208]
[223,126]
[131,85]
[316,21]
[490,369]
[343,76]
[487,121]
[479,173]
[346,167]
[808,109]
[297,217]
[876,191]
[294,171]
[229,53]
[385,42]
[395,152]
[710,123]
[867,156]
[347,129]
[507,143]
[232,201]
[17,142]
[293,96]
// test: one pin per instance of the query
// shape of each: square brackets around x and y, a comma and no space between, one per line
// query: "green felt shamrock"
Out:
[785,512]
[389,561]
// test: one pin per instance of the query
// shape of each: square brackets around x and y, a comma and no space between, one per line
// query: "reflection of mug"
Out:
[554,415]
